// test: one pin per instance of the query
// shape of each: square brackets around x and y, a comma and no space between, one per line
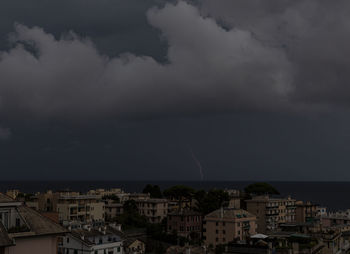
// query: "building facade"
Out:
[103,240]
[270,212]
[185,223]
[112,210]
[305,212]
[226,225]
[81,208]
[155,209]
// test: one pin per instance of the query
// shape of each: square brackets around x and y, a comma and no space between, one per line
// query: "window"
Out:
[118,249]
[217,231]
[67,239]
[75,251]
[18,222]
[223,231]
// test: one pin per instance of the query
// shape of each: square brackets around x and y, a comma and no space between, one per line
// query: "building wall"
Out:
[71,244]
[81,210]
[112,211]
[34,245]
[48,201]
[222,231]
[135,247]
[305,212]
[259,210]
[154,210]
[184,225]
[97,211]
[271,212]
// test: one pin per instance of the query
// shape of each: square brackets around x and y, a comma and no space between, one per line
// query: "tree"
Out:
[113,197]
[131,217]
[153,190]
[179,192]
[261,189]
[210,201]
[130,207]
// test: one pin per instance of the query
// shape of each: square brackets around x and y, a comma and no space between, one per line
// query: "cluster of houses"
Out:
[74,223]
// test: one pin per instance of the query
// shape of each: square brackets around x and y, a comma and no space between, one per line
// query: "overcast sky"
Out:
[144,90]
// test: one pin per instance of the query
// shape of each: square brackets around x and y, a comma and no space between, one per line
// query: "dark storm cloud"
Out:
[208,67]
[314,35]
[221,56]
[92,60]
[115,26]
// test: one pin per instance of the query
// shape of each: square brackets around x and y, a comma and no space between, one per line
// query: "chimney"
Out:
[221,212]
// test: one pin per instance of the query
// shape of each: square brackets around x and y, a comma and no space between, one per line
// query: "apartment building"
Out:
[226,225]
[81,208]
[112,210]
[186,223]
[104,192]
[305,212]
[155,209]
[270,212]
[102,240]
[23,230]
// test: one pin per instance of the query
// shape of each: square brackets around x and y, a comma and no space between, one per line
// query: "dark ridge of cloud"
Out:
[222,56]
[115,26]
[208,68]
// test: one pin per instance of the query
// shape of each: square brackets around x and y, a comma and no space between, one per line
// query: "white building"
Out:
[103,240]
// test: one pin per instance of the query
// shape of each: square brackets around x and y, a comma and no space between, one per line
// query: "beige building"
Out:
[23,230]
[270,212]
[104,192]
[155,209]
[226,224]
[134,246]
[81,208]
[71,206]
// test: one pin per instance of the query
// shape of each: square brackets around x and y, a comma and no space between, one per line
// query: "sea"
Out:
[333,195]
